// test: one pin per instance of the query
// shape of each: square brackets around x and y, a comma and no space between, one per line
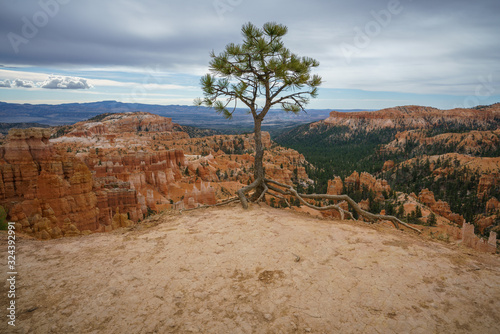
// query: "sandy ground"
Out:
[226,270]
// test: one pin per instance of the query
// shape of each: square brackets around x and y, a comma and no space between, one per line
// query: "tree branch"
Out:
[291,96]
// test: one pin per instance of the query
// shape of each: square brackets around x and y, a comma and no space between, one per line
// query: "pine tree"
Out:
[418,212]
[432,221]
[261,73]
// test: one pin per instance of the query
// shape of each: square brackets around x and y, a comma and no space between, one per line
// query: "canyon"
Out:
[132,164]
[114,170]
[451,157]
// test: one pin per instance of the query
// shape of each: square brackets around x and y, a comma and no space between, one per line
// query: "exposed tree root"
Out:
[371,216]
[269,185]
[279,196]
[266,189]
[228,201]
[291,191]
[241,192]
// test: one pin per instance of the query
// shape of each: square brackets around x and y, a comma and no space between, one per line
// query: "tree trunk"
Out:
[259,155]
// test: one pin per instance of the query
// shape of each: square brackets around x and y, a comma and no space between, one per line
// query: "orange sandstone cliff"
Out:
[115,169]
[42,189]
[414,117]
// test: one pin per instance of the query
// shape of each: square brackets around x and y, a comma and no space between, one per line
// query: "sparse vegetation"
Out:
[432,221]
[458,186]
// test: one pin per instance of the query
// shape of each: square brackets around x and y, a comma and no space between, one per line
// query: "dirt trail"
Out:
[226,270]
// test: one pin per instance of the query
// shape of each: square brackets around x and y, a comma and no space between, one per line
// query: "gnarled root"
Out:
[241,192]
[228,201]
[281,190]
[289,190]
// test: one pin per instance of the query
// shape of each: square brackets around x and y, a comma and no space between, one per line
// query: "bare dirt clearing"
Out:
[264,270]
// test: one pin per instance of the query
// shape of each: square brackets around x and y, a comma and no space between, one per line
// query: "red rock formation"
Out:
[335,186]
[469,239]
[484,222]
[45,189]
[122,122]
[353,180]
[366,180]
[334,214]
[42,188]
[133,182]
[199,195]
[389,164]
[427,197]
[113,194]
[359,182]
[410,116]
[486,182]
[120,220]
[439,207]
[469,143]
[364,204]
[493,205]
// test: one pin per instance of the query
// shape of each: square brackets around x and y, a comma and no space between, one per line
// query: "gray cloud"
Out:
[60,82]
[23,83]
[448,43]
[52,82]
[5,84]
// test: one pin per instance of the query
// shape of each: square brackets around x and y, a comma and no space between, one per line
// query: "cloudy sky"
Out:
[372,53]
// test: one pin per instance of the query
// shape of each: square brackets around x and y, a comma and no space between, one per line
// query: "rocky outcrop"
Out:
[113,194]
[367,181]
[486,182]
[472,142]
[41,187]
[335,186]
[469,239]
[121,123]
[20,159]
[483,223]
[334,214]
[134,182]
[50,193]
[142,170]
[493,205]
[135,163]
[466,236]
[389,164]
[364,204]
[220,144]
[414,117]
[203,194]
[439,207]
[120,220]
[69,229]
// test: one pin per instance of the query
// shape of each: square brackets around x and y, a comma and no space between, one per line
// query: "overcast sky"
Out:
[372,53]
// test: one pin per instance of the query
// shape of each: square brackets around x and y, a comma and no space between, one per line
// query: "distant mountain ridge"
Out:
[70,113]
